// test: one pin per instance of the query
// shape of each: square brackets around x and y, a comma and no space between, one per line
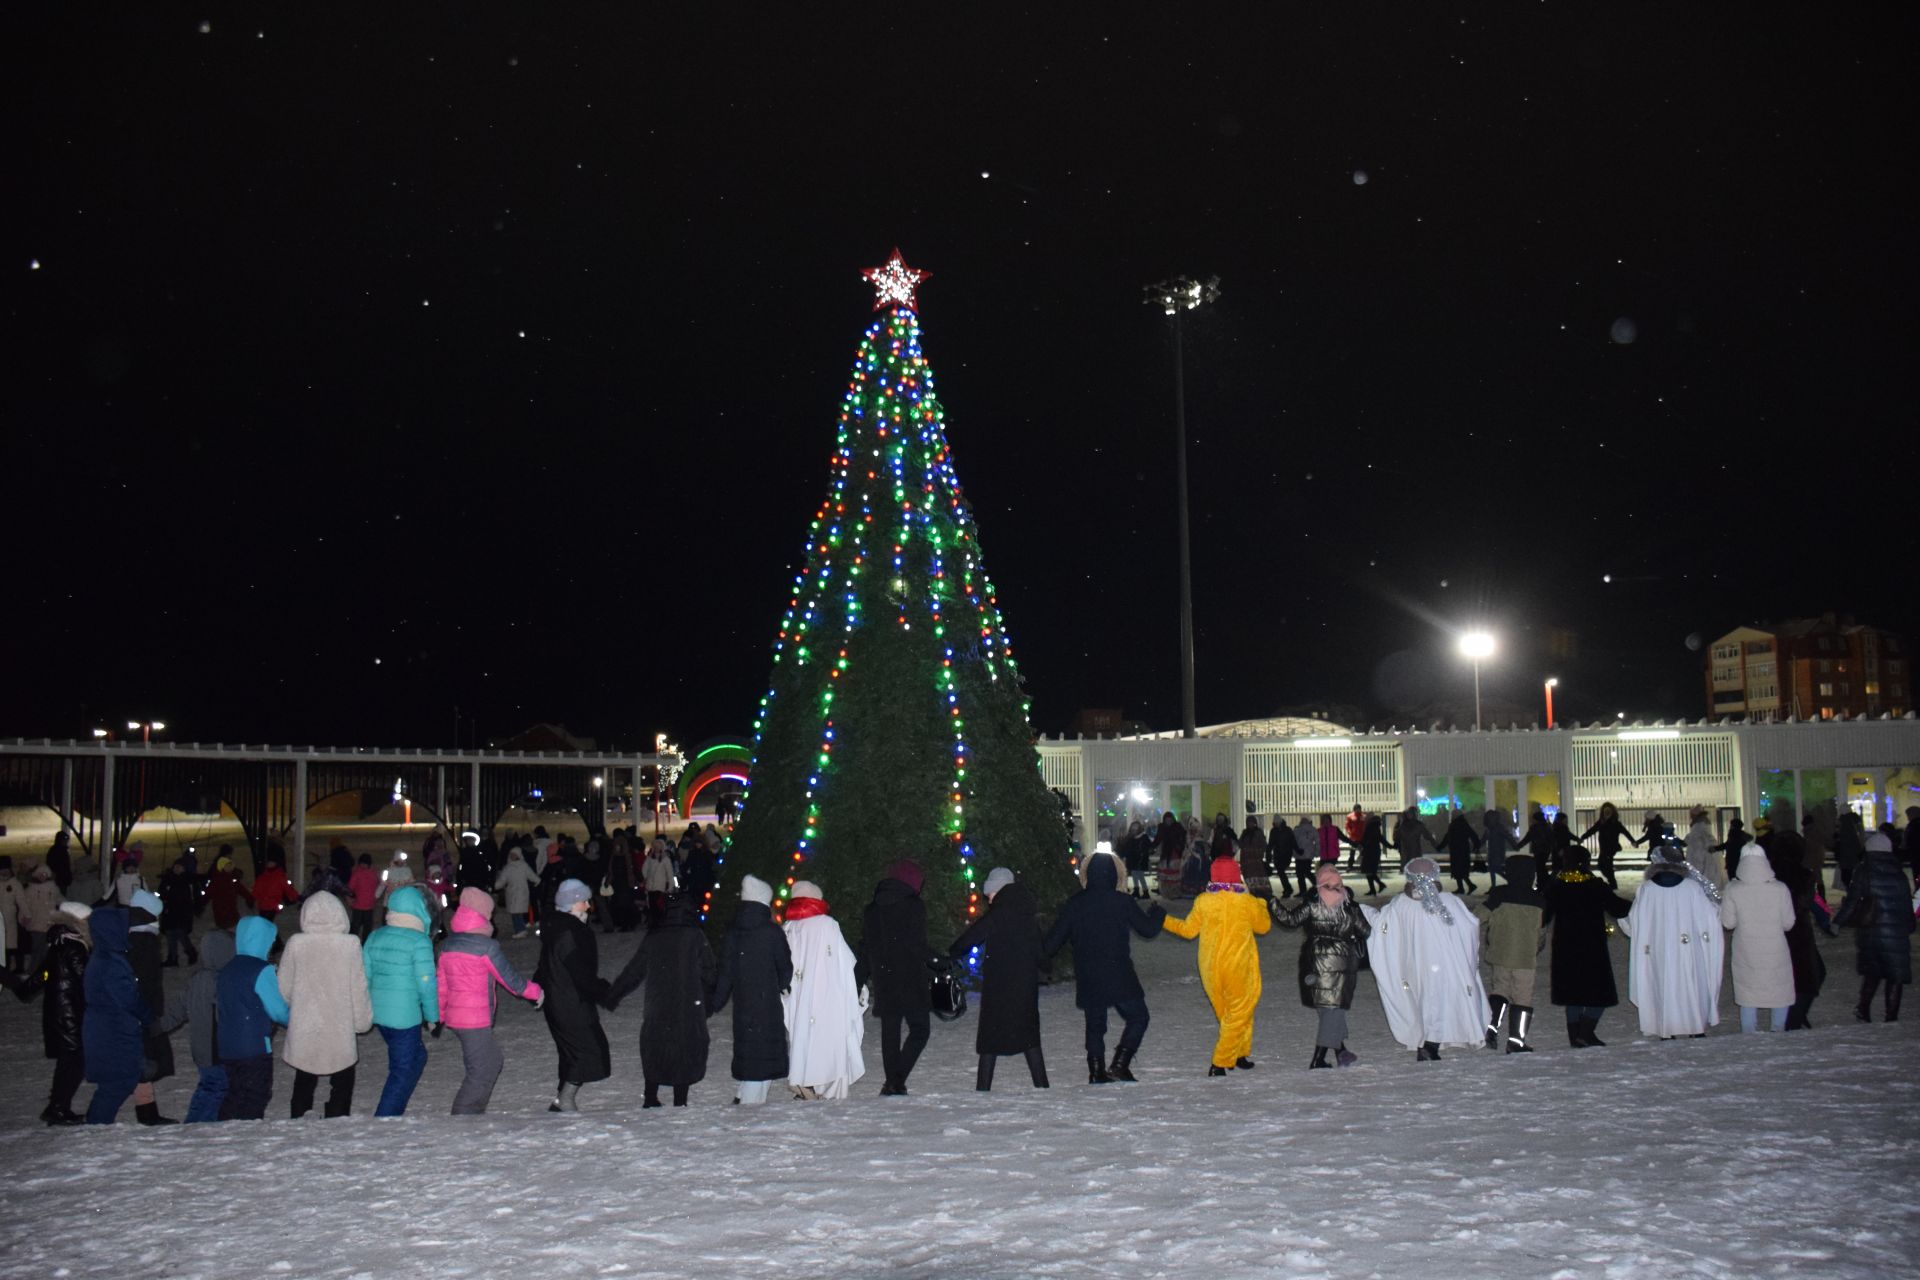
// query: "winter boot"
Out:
[1522,1023]
[983,1078]
[1592,1033]
[1097,1070]
[1577,1032]
[567,1099]
[1863,1012]
[1244,1064]
[1319,1058]
[1122,1068]
[1894,989]
[1346,1057]
[148,1113]
[56,1116]
[652,1098]
[1500,1005]
[1037,1067]
[1216,1071]
[1428,1052]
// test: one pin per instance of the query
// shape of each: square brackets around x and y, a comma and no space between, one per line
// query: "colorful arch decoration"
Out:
[721,758]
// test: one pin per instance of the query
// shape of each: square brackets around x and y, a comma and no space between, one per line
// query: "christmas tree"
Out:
[895,724]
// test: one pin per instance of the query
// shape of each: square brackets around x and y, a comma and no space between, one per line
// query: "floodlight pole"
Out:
[1176,296]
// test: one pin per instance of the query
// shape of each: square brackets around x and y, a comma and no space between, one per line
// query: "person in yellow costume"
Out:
[1226,919]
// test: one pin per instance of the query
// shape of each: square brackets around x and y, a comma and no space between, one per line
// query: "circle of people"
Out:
[800,994]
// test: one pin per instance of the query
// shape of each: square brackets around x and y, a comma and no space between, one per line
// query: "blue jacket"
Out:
[247,999]
[116,1016]
[399,960]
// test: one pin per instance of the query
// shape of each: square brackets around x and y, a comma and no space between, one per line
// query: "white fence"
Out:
[1285,778]
[1661,773]
[1064,769]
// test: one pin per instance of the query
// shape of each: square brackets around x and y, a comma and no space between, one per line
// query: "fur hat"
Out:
[805,889]
[754,889]
[997,879]
[478,901]
[570,892]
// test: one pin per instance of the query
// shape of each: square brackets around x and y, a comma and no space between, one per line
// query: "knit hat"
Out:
[78,910]
[1878,843]
[146,900]
[754,889]
[907,872]
[806,889]
[478,901]
[569,892]
[997,879]
[1225,871]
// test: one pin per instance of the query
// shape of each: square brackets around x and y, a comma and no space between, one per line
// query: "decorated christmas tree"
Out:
[895,724]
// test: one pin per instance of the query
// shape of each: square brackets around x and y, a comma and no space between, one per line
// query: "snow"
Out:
[1730,1155]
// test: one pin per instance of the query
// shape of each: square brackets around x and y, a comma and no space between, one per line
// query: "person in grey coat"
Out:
[192,1006]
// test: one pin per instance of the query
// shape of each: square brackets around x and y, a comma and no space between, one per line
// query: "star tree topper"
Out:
[894,282]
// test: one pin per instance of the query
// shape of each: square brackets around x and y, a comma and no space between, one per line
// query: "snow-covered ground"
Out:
[1728,1156]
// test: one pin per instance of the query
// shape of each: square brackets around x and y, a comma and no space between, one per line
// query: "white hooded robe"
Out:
[1673,971]
[1429,971]
[823,1009]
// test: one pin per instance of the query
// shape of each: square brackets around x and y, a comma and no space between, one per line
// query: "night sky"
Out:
[483,361]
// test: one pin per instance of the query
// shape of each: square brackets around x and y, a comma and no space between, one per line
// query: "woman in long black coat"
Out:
[678,967]
[569,974]
[1335,940]
[1809,970]
[1577,906]
[1373,838]
[1880,907]
[756,967]
[1097,921]
[1008,935]
[1461,842]
[892,963]
[143,952]
[64,972]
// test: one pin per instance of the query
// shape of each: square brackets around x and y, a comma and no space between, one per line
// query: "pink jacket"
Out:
[1329,843]
[363,886]
[470,963]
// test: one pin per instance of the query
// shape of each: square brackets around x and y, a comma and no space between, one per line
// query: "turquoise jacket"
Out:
[399,960]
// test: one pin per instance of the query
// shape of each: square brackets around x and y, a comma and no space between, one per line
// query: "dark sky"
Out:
[379,366]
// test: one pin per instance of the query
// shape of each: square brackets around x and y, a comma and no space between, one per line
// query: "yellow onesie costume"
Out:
[1226,921]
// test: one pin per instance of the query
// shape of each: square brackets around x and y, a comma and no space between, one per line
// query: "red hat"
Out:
[1225,871]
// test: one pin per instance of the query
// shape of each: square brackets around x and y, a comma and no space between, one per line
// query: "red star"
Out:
[894,282]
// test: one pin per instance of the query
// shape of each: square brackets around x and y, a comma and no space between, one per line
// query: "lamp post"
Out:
[1553,682]
[1176,297]
[147,728]
[1476,647]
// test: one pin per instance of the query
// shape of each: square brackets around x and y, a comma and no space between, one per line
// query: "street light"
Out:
[1553,682]
[147,728]
[1176,297]
[1476,647]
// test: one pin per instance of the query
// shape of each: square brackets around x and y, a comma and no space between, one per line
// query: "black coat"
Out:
[1577,906]
[569,974]
[1331,951]
[179,900]
[65,974]
[143,951]
[1008,935]
[1461,842]
[756,967]
[892,960]
[1096,921]
[1883,938]
[678,967]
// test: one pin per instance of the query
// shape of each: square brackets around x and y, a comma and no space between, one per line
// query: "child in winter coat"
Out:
[1226,920]
[1758,910]
[678,967]
[248,1005]
[1511,913]
[272,891]
[324,981]
[756,969]
[402,985]
[63,972]
[143,952]
[1335,938]
[470,963]
[363,890]
[518,880]
[1008,937]
[115,1020]
[194,1007]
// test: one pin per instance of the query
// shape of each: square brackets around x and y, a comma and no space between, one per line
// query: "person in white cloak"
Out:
[1700,844]
[1674,966]
[1425,954]
[823,1006]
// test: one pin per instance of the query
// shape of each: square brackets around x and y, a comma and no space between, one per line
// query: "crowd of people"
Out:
[1449,975]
